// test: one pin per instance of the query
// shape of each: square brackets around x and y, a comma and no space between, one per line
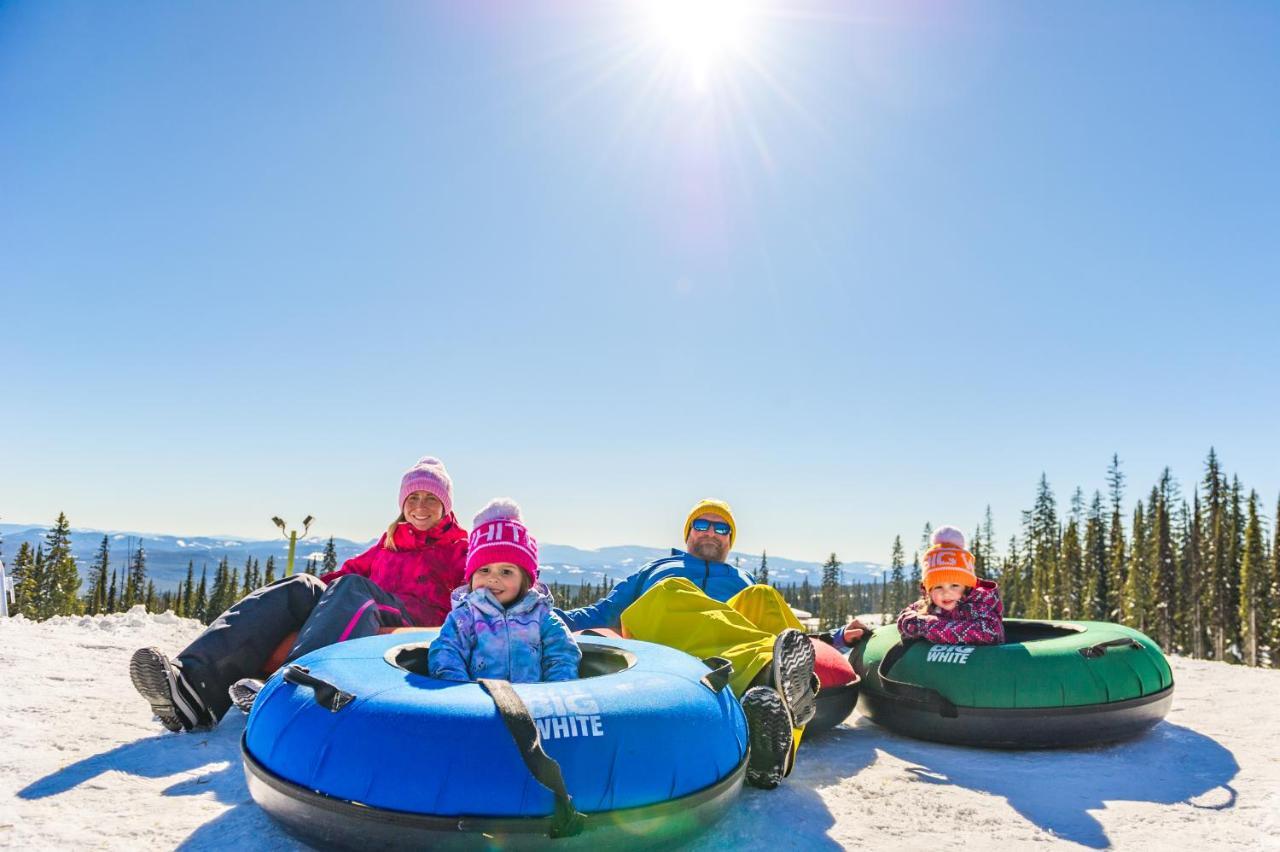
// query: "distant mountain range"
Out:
[168,556]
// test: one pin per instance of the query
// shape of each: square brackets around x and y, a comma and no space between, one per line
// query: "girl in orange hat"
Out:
[957,607]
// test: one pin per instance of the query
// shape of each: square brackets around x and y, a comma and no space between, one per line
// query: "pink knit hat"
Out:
[498,534]
[430,476]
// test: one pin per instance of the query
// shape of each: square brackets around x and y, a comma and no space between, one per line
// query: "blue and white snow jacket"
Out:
[718,580]
[525,642]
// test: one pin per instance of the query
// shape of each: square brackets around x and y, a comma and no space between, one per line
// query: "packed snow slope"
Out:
[84,766]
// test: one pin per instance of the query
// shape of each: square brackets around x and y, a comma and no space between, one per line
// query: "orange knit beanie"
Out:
[947,561]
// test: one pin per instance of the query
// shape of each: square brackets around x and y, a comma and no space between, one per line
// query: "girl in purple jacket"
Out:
[502,625]
[957,607]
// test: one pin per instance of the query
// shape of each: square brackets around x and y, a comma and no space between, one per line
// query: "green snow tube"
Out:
[1051,684]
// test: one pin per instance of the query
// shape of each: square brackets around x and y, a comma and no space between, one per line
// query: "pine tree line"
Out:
[47,581]
[1201,576]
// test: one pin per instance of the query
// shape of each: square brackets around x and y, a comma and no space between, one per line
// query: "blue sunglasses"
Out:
[720,527]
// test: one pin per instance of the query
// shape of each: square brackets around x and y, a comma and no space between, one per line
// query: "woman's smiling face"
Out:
[423,510]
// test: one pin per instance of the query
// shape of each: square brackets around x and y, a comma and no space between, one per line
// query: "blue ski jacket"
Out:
[718,580]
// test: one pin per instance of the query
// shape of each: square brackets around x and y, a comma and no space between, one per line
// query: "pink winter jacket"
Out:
[422,571]
[978,619]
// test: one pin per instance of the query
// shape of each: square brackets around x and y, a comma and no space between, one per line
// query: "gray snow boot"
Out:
[244,692]
[769,735]
[172,700]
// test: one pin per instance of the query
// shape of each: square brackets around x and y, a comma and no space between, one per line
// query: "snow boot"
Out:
[172,699]
[791,674]
[769,735]
[244,692]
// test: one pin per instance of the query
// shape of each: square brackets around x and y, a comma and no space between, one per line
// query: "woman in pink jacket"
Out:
[403,580]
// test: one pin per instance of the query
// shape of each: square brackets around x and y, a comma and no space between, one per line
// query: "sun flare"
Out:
[702,36]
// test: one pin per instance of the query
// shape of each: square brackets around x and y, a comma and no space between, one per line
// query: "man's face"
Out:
[708,545]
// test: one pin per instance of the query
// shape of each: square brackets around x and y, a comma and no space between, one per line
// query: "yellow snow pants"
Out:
[678,614]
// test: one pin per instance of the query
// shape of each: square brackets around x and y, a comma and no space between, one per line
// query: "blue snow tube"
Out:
[652,749]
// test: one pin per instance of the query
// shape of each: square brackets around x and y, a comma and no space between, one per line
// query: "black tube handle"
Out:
[718,678]
[930,699]
[1095,651]
[327,695]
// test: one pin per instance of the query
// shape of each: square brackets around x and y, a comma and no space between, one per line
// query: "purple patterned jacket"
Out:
[976,620]
[523,643]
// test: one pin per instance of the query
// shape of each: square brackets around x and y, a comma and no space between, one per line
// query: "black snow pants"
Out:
[240,642]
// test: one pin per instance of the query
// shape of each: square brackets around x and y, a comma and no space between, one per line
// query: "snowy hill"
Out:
[82,765]
[168,555]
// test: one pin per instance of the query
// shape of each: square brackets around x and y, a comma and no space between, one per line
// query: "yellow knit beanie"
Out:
[720,508]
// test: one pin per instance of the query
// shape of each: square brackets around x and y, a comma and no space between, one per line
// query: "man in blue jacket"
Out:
[695,601]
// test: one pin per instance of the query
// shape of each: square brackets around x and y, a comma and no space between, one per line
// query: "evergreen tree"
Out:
[135,588]
[1074,590]
[1214,537]
[989,541]
[98,586]
[1043,548]
[1011,581]
[149,600]
[1117,567]
[61,576]
[1196,582]
[189,592]
[1231,582]
[218,595]
[898,593]
[1254,573]
[913,584]
[26,582]
[112,599]
[1094,605]
[1164,571]
[271,571]
[762,575]
[330,562]
[831,616]
[248,586]
[200,609]
[1137,585]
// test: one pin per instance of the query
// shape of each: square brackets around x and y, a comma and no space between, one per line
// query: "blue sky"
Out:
[863,266]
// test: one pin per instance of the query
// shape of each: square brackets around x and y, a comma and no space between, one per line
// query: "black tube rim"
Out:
[484,825]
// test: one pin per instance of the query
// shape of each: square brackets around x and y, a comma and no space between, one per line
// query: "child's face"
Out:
[423,509]
[946,596]
[501,578]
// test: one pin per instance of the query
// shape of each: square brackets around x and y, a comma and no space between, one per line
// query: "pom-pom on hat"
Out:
[720,508]
[947,561]
[498,534]
[430,476]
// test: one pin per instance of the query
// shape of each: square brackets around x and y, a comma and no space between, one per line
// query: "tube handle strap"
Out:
[567,821]
[1095,651]
[718,678]
[327,695]
[930,698]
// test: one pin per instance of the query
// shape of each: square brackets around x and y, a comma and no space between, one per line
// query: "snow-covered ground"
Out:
[83,766]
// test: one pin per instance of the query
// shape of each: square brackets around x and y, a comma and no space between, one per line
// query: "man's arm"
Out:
[607,612]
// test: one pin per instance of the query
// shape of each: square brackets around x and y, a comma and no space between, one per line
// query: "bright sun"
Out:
[701,35]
